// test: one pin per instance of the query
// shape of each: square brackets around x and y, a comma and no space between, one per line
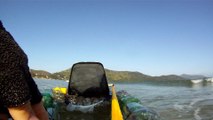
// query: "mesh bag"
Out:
[88,79]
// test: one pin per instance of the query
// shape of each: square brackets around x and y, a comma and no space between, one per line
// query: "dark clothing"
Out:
[17,87]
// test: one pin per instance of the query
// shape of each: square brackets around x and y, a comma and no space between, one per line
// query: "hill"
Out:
[112,76]
[63,75]
[40,74]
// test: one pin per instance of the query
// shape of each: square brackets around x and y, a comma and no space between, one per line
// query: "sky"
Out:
[154,37]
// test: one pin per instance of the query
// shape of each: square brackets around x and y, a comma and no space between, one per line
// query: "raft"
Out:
[89,97]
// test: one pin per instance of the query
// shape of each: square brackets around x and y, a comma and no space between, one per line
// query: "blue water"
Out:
[194,102]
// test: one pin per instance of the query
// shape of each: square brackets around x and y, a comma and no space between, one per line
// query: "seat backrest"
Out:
[88,79]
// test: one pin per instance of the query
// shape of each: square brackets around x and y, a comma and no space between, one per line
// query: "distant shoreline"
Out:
[118,76]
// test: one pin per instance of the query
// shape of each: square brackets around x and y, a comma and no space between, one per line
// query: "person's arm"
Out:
[23,112]
[40,111]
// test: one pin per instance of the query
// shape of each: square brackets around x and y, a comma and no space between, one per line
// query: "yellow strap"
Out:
[116,111]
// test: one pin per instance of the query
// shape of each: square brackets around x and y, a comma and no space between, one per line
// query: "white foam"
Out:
[209,79]
[178,107]
[194,101]
[196,116]
[197,81]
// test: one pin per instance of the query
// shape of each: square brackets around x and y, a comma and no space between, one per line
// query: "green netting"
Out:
[47,100]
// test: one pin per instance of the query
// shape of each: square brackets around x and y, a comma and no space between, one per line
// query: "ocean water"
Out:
[171,102]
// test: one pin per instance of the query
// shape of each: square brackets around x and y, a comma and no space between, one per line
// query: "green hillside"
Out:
[63,75]
[125,76]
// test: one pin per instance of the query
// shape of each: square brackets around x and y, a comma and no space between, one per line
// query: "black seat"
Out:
[88,79]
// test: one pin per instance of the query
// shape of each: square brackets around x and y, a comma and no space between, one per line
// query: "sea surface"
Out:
[171,102]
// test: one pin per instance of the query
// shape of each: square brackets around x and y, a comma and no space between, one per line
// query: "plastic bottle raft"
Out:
[131,107]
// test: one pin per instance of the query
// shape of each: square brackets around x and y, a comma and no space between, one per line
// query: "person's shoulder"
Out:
[1,26]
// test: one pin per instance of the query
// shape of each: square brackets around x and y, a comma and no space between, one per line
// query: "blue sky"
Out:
[155,37]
